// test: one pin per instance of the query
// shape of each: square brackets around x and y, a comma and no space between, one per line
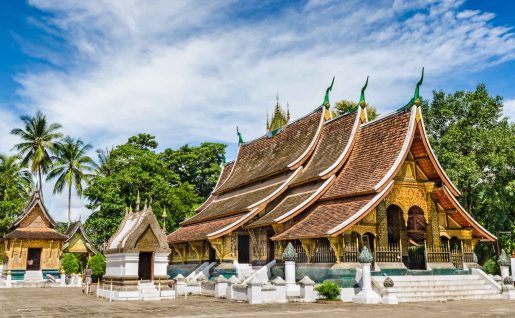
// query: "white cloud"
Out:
[189,71]
[509,109]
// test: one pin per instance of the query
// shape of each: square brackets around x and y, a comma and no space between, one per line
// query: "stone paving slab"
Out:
[70,302]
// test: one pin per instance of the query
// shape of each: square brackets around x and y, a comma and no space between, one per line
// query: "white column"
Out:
[289,275]
[160,264]
[513,267]
[63,279]
[366,295]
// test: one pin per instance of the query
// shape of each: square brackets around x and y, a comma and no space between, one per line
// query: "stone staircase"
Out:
[33,276]
[438,288]
[148,291]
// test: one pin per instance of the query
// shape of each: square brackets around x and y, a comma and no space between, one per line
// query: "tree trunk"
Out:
[40,186]
[69,203]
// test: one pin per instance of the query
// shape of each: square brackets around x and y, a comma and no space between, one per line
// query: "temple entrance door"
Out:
[34,259]
[212,254]
[145,266]
[243,249]
[271,250]
[416,238]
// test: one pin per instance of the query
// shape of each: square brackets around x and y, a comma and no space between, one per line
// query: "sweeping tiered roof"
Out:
[138,231]
[35,222]
[325,174]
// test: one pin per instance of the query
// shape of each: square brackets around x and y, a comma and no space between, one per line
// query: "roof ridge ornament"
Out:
[416,100]
[240,137]
[362,96]
[326,103]
[416,96]
[138,201]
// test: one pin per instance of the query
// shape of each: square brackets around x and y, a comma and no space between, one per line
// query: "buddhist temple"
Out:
[330,186]
[78,242]
[138,250]
[32,249]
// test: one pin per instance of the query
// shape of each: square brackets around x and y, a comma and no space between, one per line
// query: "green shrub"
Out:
[328,290]
[491,267]
[98,266]
[70,263]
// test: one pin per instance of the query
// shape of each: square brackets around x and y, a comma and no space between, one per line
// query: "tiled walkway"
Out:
[70,302]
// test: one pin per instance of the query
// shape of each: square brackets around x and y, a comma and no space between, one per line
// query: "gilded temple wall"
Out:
[17,250]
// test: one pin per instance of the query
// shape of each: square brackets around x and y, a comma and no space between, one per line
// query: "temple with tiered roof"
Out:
[330,186]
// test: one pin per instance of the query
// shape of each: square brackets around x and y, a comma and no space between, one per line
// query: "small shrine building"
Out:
[138,250]
[78,242]
[331,185]
[33,247]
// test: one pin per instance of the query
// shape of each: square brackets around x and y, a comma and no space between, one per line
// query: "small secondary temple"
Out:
[33,247]
[78,241]
[138,250]
[331,186]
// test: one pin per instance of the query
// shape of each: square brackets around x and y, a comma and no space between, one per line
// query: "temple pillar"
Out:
[382,225]
[309,246]
[337,247]
[433,228]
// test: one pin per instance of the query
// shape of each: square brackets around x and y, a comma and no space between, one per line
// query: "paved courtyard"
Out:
[70,302]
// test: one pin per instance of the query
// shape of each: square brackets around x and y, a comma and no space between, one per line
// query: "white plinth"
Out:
[367,295]
[390,300]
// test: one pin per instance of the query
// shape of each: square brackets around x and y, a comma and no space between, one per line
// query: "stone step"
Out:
[413,293]
[414,278]
[439,288]
[447,298]
[439,283]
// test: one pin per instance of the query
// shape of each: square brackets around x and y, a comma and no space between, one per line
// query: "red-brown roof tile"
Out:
[285,205]
[200,231]
[37,234]
[324,217]
[238,200]
[269,156]
[333,139]
[377,147]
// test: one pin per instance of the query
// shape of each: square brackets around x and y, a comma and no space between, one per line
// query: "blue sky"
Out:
[190,71]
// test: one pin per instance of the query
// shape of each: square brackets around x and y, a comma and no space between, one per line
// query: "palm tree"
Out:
[70,166]
[12,173]
[38,139]
[103,167]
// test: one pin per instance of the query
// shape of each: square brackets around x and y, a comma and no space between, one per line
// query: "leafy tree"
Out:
[199,166]
[144,141]
[135,168]
[38,139]
[345,106]
[70,263]
[15,185]
[70,166]
[475,145]
[98,266]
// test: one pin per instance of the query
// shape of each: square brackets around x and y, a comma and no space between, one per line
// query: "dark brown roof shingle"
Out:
[376,149]
[287,204]
[324,217]
[200,231]
[333,139]
[35,234]
[269,156]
